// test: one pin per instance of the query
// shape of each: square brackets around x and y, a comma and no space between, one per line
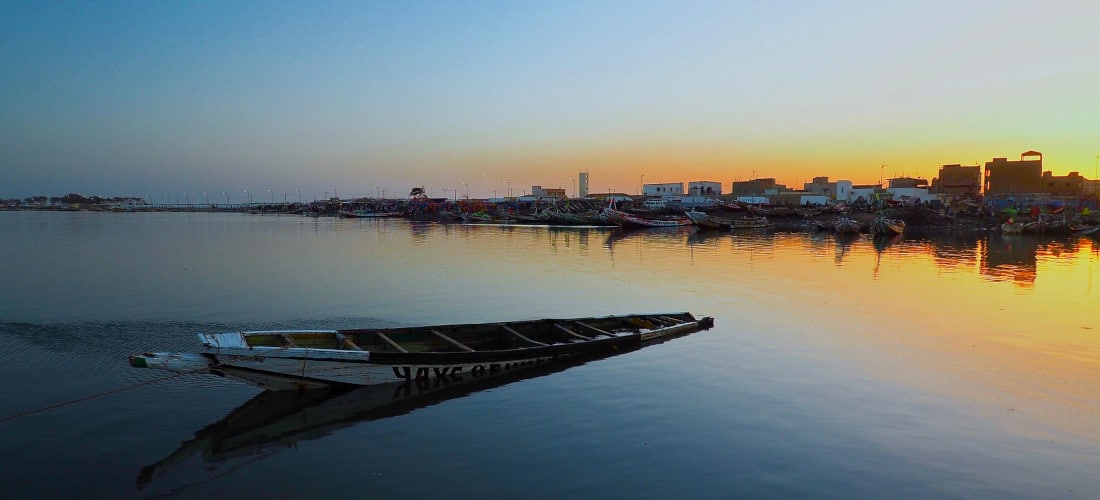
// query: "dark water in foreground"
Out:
[931,366]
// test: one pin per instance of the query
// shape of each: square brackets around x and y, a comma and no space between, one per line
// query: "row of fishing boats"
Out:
[1050,225]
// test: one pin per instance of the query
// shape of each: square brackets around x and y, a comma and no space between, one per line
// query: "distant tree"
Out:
[417,192]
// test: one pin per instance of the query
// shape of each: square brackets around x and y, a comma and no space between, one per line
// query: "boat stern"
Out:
[180,362]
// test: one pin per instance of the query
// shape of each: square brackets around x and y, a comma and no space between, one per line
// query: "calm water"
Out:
[959,366]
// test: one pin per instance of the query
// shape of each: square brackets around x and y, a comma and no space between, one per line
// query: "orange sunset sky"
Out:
[157,99]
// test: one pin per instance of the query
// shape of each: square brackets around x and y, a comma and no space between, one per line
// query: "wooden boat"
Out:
[707,221]
[751,222]
[1012,228]
[887,227]
[624,219]
[1093,231]
[309,359]
[364,214]
[846,225]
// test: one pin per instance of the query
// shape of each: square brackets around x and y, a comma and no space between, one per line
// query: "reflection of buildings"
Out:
[1011,258]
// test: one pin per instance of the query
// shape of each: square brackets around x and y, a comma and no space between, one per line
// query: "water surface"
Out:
[929,365]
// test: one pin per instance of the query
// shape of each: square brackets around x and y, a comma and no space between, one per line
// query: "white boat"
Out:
[310,359]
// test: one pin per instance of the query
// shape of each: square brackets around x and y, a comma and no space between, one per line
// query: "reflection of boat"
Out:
[887,227]
[883,241]
[846,225]
[275,420]
[751,222]
[1093,231]
[312,359]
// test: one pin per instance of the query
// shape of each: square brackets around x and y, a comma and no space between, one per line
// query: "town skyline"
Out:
[144,98]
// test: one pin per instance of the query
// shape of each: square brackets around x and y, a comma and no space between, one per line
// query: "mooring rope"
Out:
[96,396]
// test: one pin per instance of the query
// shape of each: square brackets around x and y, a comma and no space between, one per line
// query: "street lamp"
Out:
[207,196]
[247,198]
[880,167]
[574,186]
[467,186]
[226,198]
[509,187]
[641,185]
[272,195]
[299,190]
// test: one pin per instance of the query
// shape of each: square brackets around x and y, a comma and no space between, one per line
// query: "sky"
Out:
[213,99]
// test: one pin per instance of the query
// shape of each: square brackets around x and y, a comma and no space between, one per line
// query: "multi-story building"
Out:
[958,180]
[582,183]
[705,188]
[1009,177]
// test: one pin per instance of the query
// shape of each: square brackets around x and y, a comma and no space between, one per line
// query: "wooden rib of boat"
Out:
[310,359]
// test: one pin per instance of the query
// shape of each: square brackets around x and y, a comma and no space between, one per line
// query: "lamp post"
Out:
[508,186]
[467,186]
[377,193]
[272,195]
[207,196]
[574,181]
[247,198]
[880,167]
[226,198]
[299,190]
[641,185]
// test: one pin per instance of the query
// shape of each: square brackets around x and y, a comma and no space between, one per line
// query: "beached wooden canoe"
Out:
[308,359]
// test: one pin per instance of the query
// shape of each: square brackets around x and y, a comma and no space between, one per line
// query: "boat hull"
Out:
[298,368]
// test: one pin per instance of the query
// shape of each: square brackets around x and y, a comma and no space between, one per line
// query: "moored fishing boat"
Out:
[624,219]
[883,226]
[846,225]
[309,359]
[751,222]
[707,221]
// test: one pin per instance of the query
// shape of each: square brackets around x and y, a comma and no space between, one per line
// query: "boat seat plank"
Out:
[571,332]
[287,341]
[451,341]
[347,343]
[520,335]
[673,321]
[594,329]
[391,343]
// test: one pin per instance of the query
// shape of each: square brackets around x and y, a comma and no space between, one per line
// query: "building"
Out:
[1064,184]
[582,183]
[1012,177]
[663,190]
[540,192]
[958,180]
[707,189]
[756,187]
[822,186]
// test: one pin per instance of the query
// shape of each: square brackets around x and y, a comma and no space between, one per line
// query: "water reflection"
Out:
[277,420]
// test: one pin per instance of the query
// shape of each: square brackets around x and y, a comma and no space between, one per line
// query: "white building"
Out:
[663,190]
[705,188]
[582,183]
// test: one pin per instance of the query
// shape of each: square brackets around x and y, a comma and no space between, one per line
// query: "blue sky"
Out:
[148,98]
